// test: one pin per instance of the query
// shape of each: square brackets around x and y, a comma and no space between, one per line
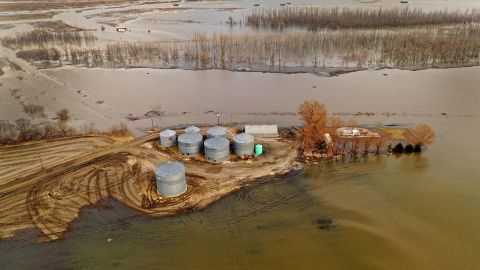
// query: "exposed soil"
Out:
[28,16]
[83,171]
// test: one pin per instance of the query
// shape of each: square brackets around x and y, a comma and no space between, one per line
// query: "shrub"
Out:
[409,149]
[398,149]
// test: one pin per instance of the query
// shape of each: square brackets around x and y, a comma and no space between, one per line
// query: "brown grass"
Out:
[29,16]
[314,18]
[43,5]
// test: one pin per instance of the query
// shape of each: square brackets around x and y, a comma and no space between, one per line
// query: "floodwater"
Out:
[246,97]
[409,212]
[382,212]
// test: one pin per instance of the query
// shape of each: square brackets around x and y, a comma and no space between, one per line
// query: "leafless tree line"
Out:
[22,130]
[314,18]
[452,45]
[43,38]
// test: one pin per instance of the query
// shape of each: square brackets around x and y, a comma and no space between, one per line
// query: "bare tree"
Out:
[379,142]
[8,133]
[63,116]
[156,113]
[26,131]
[420,135]
[314,116]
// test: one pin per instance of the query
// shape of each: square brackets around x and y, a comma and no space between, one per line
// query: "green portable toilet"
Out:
[258,149]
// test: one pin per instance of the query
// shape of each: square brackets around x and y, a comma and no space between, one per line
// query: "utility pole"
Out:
[218,118]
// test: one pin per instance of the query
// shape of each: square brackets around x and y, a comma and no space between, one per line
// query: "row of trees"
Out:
[23,130]
[44,38]
[354,48]
[314,18]
[317,123]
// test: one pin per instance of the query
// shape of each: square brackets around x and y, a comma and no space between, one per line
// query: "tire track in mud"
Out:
[52,199]
[246,205]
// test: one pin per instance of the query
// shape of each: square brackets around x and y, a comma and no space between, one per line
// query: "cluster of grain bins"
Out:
[170,176]
[216,146]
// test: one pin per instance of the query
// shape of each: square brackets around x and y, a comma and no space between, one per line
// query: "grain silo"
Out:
[192,129]
[168,138]
[217,149]
[190,144]
[171,179]
[243,144]
[217,131]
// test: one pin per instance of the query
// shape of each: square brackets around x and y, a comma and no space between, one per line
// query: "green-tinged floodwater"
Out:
[408,212]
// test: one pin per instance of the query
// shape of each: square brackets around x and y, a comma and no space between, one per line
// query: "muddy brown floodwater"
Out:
[407,212]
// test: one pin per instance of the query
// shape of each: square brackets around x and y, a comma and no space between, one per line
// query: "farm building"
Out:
[266,131]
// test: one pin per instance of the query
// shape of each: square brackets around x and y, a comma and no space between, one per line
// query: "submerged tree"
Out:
[314,116]
[420,135]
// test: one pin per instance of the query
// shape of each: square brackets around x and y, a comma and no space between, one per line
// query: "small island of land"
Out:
[58,177]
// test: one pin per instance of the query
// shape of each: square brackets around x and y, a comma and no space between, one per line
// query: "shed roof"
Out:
[266,130]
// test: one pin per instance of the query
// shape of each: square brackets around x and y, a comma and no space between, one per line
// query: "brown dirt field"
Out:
[30,16]
[80,172]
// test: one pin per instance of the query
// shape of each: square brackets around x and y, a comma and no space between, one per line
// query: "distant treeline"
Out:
[453,45]
[43,38]
[314,18]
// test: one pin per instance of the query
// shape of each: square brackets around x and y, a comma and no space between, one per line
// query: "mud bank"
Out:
[51,197]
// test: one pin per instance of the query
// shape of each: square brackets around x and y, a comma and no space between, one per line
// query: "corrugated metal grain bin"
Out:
[243,144]
[190,144]
[168,138]
[217,131]
[217,149]
[192,129]
[171,180]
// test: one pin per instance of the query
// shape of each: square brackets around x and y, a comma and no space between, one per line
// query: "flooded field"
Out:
[417,211]
[408,212]
[195,96]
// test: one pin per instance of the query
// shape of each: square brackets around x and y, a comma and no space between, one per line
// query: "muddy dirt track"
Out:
[81,172]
